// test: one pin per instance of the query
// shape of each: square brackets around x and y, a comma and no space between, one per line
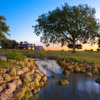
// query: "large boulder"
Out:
[63,82]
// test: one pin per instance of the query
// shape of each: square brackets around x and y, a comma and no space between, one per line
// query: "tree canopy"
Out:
[68,25]
[4,29]
[9,44]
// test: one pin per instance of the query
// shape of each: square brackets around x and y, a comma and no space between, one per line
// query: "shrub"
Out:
[15,55]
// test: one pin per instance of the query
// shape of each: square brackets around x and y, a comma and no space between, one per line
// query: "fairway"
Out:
[80,55]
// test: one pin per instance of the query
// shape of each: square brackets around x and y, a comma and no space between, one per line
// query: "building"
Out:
[26,45]
[38,48]
[29,46]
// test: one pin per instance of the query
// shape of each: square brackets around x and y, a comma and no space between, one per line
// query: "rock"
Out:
[2,70]
[14,77]
[98,80]
[19,72]
[66,72]
[26,78]
[41,83]
[3,58]
[95,71]
[11,86]
[44,79]
[54,76]
[25,69]
[12,72]
[6,95]
[13,61]
[7,77]
[32,85]
[37,76]
[1,79]
[1,88]
[36,81]
[63,82]
[20,92]
[77,69]
[36,90]
[88,74]
[17,82]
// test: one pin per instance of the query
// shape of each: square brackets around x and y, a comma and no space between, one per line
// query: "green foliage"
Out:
[99,43]
[6,64]
[75,59]
[9,44]
[4,29]
[68,24]
[15,55]
[42,55]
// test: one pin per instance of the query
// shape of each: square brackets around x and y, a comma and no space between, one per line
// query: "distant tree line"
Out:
[9,44]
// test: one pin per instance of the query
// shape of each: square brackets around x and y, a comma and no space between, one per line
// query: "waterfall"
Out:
[48,67]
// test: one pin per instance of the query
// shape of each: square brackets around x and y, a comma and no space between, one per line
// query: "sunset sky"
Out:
[21,15]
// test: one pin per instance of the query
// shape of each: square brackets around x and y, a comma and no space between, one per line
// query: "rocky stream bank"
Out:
[15,82]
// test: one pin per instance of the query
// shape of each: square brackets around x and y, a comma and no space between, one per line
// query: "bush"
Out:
[15,55]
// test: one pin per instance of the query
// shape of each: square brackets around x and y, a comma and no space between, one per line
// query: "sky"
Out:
[21,15]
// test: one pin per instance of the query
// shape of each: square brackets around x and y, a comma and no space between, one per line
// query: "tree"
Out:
[4,29]
[68,25]
[98,43]
[9,44]
[77,46]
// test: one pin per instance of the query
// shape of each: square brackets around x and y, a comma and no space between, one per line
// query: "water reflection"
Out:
[80,88]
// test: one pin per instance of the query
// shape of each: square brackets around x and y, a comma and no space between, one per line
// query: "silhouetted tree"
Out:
[4,29]
[67,25]
[77,46]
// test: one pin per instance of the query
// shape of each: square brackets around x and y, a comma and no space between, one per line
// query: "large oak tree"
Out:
[4,28]
[68,25]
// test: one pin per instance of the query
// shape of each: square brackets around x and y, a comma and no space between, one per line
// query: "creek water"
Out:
[80,86]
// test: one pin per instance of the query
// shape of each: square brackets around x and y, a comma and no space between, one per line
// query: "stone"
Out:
[17,82]
[12,72]
[11,86]
[36,90]
[26,78]
[3,58]
[2,71]
[44,79]
[77,69]
[19,72]
[98,80]
[95,71]
[88,74]
[25,69]
[37,76]
[41,83]
[54,76]
[36,82]
[32,85]
[7,77]
[66,72]
[14,77]
[1,88]
[6,95]
[63,82]
[1,79]
[12,61]
[20,92]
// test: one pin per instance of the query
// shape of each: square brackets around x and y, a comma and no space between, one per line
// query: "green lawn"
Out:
[84,55]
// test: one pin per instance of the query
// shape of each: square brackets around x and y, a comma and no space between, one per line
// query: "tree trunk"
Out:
[73,47]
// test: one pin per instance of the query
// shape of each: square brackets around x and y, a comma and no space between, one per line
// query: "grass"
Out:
[80,55]
[4,64]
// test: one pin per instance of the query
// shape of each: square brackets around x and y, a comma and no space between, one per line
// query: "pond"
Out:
[80,88]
